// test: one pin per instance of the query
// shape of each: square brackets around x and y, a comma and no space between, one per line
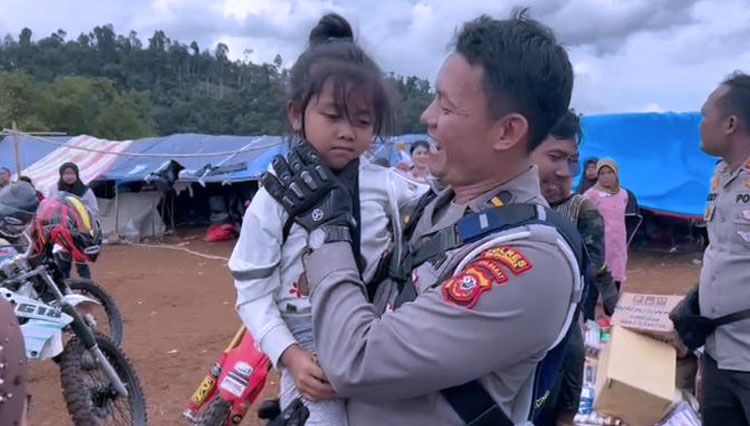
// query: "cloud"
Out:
[627,55]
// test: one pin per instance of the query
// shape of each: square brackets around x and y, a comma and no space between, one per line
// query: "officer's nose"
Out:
[429,116]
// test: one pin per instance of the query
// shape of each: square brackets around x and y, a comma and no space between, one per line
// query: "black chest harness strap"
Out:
[471,401]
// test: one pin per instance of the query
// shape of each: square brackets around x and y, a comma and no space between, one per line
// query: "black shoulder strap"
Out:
[475,406]
[733,317]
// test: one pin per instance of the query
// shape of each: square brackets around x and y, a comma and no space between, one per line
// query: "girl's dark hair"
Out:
[417,144]
[333,55]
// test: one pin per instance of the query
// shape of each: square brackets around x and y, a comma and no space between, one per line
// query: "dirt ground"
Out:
[179,316]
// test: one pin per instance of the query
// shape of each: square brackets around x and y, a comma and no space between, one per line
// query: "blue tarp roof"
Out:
[32,150]
[258,152]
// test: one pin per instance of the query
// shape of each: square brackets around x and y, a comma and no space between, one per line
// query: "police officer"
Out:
[484,311]
[725,133]
[558,162]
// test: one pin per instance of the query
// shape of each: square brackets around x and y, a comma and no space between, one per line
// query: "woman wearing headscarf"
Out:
[70,182]
[588,179]
[611,200]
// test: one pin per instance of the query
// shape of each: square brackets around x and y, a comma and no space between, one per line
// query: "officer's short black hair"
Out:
[568,127]
[737,100]
[525,69]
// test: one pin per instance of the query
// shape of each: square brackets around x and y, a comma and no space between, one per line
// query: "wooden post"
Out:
[17,150]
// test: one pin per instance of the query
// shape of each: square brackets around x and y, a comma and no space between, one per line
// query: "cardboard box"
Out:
[647,314]
[636,378]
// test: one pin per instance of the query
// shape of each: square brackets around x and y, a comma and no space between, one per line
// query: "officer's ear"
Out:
[731,125]
[509,131]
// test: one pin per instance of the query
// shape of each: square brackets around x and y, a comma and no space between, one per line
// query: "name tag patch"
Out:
[465,289]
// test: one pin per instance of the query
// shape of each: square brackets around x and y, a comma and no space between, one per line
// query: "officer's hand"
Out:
[308,376]
[312,195]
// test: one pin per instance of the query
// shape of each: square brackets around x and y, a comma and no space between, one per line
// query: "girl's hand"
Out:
[308,376]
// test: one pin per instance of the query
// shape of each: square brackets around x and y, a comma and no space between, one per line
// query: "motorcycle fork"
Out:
[86,336]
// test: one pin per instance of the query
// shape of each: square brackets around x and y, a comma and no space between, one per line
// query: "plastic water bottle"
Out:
[586,405]
[131,233]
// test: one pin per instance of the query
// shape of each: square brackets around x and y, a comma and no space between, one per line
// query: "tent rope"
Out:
[176,248]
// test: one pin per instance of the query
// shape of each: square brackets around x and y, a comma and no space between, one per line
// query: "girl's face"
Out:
[69,176]
[607,177]
[420,156]
[339,133]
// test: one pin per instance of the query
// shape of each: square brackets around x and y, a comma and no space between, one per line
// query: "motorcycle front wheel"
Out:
[216,414]
[105,319]
[90,396]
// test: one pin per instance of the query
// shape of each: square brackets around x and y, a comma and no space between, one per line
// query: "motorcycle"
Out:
[232,384]
[98,308]
[100,385]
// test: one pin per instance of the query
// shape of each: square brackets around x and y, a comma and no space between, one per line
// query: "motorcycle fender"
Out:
[244,373]
[43,339]
[77,299]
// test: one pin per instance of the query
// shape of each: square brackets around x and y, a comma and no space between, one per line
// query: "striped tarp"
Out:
[45,172]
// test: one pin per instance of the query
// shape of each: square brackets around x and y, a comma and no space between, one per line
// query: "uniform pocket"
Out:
[741,235]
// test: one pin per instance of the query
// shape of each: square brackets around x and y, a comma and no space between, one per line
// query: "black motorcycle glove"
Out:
[319,201]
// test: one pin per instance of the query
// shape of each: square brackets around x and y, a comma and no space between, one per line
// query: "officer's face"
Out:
[554,158]
[459,122]
[714,134]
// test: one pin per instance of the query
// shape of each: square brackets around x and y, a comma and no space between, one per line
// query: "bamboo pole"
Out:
[17,150]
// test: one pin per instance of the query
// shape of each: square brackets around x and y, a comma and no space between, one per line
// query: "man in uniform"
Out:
[558,162]
[725,277]
[484,311]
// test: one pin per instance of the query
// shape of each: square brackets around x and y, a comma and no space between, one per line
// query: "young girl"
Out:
[611,201]
[338,104]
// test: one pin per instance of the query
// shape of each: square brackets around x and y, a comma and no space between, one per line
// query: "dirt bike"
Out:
[100,385]
[232,384]
[98,308]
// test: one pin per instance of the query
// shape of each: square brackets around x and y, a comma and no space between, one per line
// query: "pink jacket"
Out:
[612,208]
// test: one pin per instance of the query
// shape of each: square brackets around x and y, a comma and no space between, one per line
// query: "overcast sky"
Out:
[629,55]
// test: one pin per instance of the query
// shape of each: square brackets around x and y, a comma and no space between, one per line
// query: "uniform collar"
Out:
[523,188]
[729,176]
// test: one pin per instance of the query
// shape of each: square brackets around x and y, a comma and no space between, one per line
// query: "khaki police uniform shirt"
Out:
[392,366]
[725,277]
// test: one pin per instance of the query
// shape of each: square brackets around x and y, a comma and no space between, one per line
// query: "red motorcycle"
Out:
[232,384]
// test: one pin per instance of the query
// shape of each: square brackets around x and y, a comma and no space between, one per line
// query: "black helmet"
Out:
[18,203]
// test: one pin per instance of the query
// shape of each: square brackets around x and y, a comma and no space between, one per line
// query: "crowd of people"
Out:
[382,301]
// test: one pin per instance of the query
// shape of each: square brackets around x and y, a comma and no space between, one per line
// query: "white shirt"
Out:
[267,273]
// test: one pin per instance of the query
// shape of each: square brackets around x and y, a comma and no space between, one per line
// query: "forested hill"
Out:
[116,86]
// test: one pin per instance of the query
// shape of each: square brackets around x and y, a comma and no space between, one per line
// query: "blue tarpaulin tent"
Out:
[249,154]
[659,157]
[32,150]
